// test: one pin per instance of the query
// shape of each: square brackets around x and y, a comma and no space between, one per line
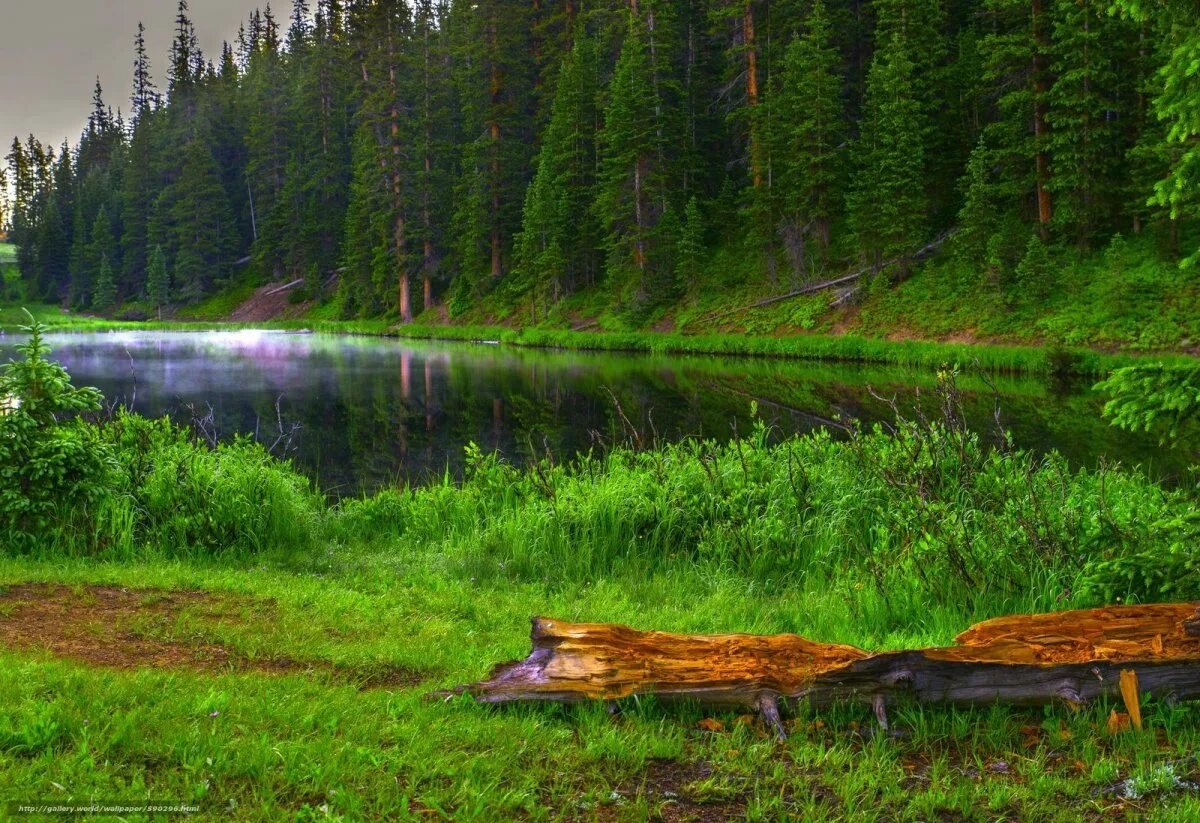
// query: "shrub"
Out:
[53,467]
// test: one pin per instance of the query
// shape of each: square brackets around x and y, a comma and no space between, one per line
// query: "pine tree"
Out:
[556,250]
[494,73]
[144,95]
[435,140]
[632,191]
[105,295]
[886,203]
[185,54]
[1177,105]
[1087,143]
[809,134]
[192,223]
[1035,270]
[158,281]
[689,253]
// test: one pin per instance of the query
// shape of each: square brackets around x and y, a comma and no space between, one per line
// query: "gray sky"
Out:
[52,50]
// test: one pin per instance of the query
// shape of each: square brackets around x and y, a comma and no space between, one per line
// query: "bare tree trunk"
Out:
[751,46]
[1042,170]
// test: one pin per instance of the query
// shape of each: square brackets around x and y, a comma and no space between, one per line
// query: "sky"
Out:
[52,50]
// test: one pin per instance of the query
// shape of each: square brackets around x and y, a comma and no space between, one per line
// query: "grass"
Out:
[269,746]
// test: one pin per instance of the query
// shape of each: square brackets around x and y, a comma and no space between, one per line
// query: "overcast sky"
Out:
[52,50]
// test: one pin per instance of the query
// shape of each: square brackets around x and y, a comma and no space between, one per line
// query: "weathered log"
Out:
[1072,656]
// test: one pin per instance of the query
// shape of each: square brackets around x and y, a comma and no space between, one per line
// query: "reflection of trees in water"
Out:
[375,412]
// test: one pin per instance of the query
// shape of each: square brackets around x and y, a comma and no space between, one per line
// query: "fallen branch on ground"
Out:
[1024,659]
[852,277]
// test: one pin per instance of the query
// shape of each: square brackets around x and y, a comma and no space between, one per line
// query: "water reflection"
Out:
[374,412]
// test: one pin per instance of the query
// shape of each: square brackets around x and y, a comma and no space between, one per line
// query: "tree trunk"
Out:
[1024,659]
[494,133]
[1041,162]
[751,47]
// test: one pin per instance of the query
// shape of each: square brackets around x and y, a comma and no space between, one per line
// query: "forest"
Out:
[500,157]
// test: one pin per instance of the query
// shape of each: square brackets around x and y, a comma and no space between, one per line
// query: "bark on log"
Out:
[1025,659]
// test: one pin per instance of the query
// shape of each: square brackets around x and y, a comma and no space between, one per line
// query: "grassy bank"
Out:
[986,357]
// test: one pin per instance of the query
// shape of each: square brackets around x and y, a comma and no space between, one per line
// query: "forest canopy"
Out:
[395,154]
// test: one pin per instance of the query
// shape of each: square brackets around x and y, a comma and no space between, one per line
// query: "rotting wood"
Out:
[1073,656]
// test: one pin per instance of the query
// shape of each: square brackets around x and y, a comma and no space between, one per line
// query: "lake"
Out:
[358,413]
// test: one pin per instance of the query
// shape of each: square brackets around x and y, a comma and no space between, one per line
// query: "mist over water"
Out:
[359,414]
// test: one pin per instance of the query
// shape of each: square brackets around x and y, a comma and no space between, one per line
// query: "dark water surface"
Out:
[373,412]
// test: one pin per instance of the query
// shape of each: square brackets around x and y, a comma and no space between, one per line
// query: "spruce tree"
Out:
[809,133]
[158,281]
[1087,142]
[196,219]
[105,295]
[494,75]
[632,190]
[1177,105]
[557,247]
[689,252]
[887,205]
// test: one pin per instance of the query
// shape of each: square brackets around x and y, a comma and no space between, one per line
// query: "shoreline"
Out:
[928,354]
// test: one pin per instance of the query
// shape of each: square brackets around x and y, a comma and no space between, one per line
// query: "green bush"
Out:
[53,466]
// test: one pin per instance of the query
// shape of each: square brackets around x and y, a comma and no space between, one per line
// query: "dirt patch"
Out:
[118,628]
[271,302]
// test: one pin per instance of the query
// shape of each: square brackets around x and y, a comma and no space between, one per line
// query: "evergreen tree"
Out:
[886,203]
[1087,142]
[494,73]
[689,254]
[1177,105]
[556,250]
[1035,270]
[203,226]
[158,281]
[810,131]
[105,295]
[632,191]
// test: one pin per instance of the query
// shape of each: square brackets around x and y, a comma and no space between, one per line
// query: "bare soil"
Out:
[130,629]
[268,303]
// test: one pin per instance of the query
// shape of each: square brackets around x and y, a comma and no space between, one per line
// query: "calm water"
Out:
[373,412]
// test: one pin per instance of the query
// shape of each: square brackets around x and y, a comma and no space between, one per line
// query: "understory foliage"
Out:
[922,511]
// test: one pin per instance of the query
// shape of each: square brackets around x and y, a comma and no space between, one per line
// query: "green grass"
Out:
[267,747]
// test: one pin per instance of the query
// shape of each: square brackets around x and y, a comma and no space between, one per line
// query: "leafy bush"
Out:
[53,467]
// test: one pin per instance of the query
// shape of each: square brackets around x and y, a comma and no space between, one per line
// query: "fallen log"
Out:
[1073,656]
